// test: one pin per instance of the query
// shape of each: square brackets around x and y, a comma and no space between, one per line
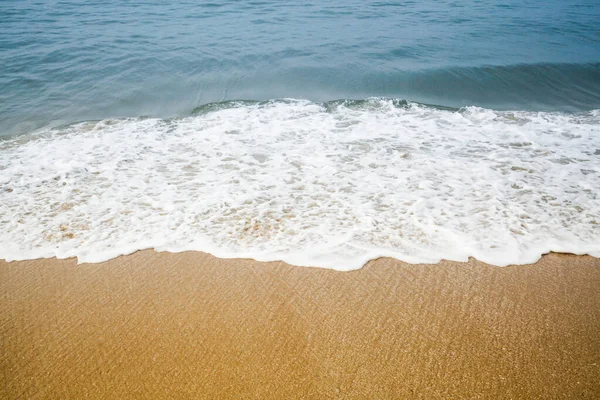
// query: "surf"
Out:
[331,184]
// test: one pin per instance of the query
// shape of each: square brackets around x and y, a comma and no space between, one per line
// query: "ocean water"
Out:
[319,133]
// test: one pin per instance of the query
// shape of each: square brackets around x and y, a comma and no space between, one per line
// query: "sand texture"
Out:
[189,325]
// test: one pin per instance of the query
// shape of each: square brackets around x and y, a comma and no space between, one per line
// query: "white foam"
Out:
[296,181]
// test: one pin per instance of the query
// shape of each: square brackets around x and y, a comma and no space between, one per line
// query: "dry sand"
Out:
[189,325]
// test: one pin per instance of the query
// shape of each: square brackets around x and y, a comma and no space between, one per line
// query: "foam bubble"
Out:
[330,185]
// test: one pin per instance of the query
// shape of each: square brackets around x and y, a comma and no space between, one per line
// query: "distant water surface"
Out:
[65,61]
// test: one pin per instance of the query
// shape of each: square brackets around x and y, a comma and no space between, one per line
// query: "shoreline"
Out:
[368,259]
[159,324]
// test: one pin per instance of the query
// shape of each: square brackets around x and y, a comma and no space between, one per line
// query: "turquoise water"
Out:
[66,61]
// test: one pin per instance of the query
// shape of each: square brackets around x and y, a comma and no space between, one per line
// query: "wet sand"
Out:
[189,325]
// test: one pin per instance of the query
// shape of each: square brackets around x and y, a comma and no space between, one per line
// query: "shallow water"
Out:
[332,184]
[473,130]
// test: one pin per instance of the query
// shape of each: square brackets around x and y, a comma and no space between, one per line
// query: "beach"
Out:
[316,200]
[190,325]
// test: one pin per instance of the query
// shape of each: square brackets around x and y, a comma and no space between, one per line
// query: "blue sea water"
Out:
[73,60]
[320,133]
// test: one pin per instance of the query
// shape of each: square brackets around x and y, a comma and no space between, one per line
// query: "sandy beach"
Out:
[189,325]
[210,200]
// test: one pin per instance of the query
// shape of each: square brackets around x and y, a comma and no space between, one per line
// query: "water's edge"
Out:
[331,184]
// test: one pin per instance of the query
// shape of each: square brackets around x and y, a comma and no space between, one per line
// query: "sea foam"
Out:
[330,185]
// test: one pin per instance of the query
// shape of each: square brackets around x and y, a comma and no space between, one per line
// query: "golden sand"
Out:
[189,325]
